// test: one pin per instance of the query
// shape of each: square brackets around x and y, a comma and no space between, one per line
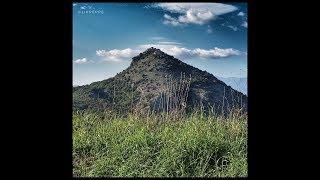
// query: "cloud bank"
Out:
[174,50]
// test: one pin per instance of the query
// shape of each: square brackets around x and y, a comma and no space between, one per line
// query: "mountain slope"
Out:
[156,82]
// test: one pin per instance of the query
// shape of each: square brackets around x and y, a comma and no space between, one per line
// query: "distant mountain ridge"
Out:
[155,82]
[239,84]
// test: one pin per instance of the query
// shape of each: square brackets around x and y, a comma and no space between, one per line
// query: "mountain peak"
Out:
[154,52]
[152,74]
[152,49]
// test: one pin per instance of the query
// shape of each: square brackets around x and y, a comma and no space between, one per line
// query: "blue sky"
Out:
[209,36]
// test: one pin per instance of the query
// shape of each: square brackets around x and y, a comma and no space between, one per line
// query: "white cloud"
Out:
[193,13]
[196,17]
[234,28]
[74,4]
[241,14]
[245,24]
[216,53]
[116,55]
[82,61]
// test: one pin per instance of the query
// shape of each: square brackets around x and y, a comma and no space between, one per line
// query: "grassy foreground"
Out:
[132,147]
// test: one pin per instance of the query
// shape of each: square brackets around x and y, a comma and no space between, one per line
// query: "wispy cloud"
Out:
[234,28]
[82,61]
[209,29]
[245,24]
[164,40]
[158,38]
[193,13]
[168,20]
[244,19]
[169,42]
[241,14]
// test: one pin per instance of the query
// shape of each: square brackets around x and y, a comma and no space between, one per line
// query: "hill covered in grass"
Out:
[158,82]
[159,146]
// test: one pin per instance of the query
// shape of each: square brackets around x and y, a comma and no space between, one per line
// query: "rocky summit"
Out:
[158,82]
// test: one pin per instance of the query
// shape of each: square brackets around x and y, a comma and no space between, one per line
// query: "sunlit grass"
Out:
[150,147]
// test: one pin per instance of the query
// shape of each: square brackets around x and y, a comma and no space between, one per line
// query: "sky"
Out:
[209,36]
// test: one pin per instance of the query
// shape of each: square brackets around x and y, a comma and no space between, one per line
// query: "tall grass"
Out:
[195,146]
[171,100]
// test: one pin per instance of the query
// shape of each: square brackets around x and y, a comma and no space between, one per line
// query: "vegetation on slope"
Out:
[150,76]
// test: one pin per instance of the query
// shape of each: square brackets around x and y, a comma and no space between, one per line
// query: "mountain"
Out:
[239,84]
[157,82]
